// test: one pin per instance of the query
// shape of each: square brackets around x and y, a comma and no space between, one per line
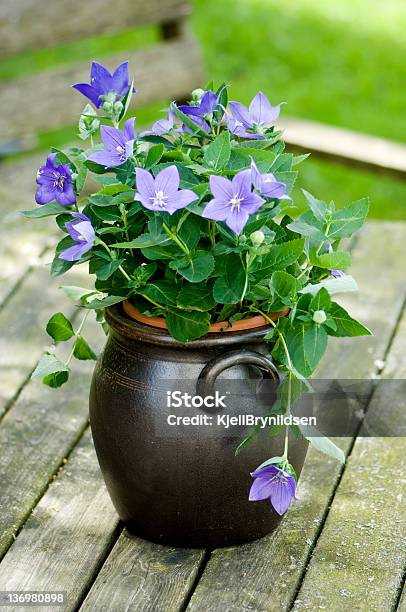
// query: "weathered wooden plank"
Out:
[353,148]
[164,71]
[36,434]
[22,322]
[67,536]
[265,575]
[29,24]
[21,241]
[360,557]
[145,577]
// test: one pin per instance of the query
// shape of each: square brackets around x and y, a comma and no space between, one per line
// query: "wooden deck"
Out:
[342,546]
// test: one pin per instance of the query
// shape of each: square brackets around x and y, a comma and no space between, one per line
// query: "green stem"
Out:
[77,333]
[123,272]
[174,237]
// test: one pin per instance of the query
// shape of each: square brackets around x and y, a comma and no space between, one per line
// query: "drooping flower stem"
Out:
[289,374]
[77,333]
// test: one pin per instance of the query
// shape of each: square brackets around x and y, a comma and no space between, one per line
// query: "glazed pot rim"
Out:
[129,328]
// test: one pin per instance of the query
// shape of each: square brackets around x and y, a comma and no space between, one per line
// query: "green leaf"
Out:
[112,189]
[280,256]
[321,301]
[154,155]
[289,178]
[76,293]
[188,231]
[142,242]
[44,211]
[162,292]
[55,380]
[307,345]
[195,268]
[81,349]
[284,286]
[342,284]
[347,221]
[272,461]
[105,271]
[60,266]
[196,297]
[338,260]
[185,326]
[229,287]
[218,152]
[48,364]
[308,225]
[81,178]
[59,327]
[318,207]
[321,443]
[346,325]
[110,300]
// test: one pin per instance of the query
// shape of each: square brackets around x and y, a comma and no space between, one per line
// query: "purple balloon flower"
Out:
[206,106]
[162,193]
[82,232]
[102,83]
[233,200]
[252,122]
[274,484]
[118,145]
[267,185]
[55,183]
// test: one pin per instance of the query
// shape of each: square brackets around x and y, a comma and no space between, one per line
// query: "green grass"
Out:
[336,62]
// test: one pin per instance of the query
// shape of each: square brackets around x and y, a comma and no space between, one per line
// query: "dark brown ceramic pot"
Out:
[182,486]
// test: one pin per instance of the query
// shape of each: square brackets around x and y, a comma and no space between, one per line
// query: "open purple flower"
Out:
[233,200]
[102,82]
[118,145]
[82,232]
[162,193]
[55,183]
[274,484]
[252,122]
[267,185]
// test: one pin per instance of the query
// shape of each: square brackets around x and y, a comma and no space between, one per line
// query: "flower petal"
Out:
[44,194]
[85,229]
[217,209]
[237,220]
[112,138]
[180,199]
[242,184]
[129,133]
[106,158]
[67,196]
[252,203]
[221,188]
[74,253]
[281,495]
[101,77]
[92,93]
[260,109]
[120,79]
[261,488]
[167,180]
[145,185]
[241,114]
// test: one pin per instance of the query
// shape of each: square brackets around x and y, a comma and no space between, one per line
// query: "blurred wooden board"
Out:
[353,148]
[30,24]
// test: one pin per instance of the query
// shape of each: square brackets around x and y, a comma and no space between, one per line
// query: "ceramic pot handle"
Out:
[216,366]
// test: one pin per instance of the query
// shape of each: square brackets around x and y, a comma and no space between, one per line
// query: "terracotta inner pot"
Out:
[220,326]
